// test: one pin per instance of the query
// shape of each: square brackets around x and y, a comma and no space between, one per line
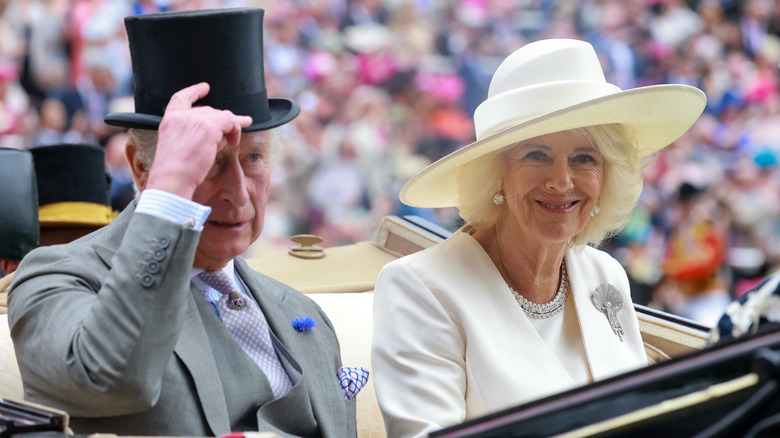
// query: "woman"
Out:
[519,304]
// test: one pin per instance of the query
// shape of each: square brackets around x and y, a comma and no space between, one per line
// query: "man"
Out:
[127,329]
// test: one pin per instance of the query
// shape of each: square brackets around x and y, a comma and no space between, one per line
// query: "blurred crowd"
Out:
[388,86]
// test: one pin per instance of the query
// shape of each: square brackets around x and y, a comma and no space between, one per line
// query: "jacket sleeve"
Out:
[95,339]
[418,356]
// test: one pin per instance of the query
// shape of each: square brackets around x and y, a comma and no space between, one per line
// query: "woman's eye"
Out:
[536,155]
[585,159]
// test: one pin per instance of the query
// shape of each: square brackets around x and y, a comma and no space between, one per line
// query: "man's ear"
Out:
[137,167]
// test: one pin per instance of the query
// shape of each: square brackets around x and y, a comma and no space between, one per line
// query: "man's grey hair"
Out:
[145,141]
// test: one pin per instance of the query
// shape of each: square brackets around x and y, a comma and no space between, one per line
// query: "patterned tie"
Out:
[246,322]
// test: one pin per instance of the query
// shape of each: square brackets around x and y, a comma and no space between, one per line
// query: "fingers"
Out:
[186,97]
[231,124]
[233,134]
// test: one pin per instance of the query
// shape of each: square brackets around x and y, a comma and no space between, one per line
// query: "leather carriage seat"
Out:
[10,379]
[341,280]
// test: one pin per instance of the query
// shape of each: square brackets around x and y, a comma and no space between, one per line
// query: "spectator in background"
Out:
[122,190]
[96,90]
[725,47]
[73,189]
[14,107]
[52,122]
[698,286]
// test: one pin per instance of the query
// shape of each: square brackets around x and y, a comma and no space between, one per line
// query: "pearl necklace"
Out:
[549,309]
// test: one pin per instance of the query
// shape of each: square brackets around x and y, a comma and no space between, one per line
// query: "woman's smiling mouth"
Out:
[557,207]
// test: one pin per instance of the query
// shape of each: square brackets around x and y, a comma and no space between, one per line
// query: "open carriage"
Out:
[687,388]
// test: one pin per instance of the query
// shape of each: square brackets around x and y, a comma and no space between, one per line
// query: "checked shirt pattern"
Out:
[249,328]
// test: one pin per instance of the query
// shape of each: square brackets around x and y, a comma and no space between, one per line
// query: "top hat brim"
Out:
[655,116]
[282,111]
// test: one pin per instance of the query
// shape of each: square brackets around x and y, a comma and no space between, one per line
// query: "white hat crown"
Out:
[552,86]
[541,77]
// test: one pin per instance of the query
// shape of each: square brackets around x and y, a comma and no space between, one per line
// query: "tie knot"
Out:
[219,280]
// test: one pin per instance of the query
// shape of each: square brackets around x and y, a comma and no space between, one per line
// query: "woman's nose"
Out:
[560,176]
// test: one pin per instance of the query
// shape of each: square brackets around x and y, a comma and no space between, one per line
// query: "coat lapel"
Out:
[328,405]
[197,356]
[607,354]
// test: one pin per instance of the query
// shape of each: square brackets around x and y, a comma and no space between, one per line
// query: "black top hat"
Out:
[73,186]
[19,232]
[223,47]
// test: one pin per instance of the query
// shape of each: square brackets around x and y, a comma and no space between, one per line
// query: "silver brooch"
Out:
[607,299]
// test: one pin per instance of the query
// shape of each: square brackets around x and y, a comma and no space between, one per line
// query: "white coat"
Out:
[451,343]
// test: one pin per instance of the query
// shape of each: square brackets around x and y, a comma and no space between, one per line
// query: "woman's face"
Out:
[551,184]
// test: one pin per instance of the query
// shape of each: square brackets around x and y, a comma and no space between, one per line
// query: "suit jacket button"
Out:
[163,242]
[158,254]
[153,267]
[147,280]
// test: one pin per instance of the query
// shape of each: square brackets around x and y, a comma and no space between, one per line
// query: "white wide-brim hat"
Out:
[556,85]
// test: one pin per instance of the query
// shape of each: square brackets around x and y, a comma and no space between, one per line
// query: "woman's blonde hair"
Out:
[479,180]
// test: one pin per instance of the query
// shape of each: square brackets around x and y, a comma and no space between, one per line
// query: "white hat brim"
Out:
[656,116]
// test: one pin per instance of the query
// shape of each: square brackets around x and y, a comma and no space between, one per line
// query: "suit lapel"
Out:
[328,405]
[197,356]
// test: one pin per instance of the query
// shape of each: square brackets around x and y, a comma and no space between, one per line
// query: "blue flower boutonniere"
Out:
[303,324]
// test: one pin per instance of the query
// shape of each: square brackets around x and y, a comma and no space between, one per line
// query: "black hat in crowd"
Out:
[73,186]
[19,231]
[223,47]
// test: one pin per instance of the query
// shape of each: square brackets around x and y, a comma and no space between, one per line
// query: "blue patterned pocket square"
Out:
[352,380]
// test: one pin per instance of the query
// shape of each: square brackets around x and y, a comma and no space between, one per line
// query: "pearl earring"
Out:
[498,199]
[596,211]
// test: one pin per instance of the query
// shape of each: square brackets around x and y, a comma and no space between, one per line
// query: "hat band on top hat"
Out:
[75,214]
[254,105]
[520,105]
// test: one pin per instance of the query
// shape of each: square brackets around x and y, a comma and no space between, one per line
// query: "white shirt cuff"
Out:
[174,208]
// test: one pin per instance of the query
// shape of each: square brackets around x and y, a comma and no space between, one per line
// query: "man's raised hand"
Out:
[189,139]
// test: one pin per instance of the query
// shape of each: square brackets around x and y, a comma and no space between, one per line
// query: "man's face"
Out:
[236,188]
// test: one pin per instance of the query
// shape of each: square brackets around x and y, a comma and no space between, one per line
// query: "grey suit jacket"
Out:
[110,329]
